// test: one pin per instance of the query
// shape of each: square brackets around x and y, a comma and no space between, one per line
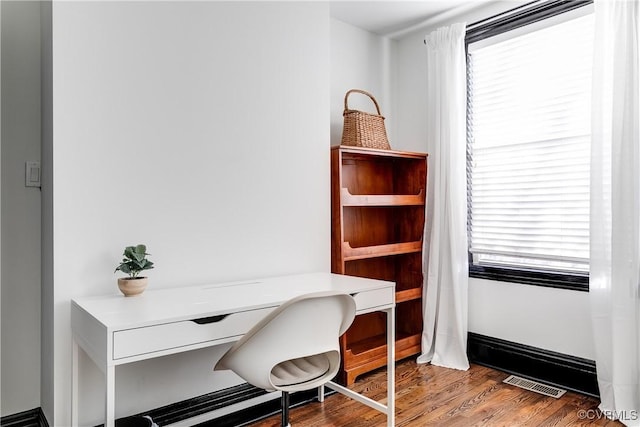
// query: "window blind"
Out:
[529,138]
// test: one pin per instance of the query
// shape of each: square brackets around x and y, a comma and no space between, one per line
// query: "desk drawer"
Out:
[376,298]
[134,342]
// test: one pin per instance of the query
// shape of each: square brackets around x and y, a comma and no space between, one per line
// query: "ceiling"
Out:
[390,17]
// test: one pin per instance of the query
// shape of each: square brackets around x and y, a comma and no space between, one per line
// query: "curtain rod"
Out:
[540,8]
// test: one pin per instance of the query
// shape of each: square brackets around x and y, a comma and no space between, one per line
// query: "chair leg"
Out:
[285,409]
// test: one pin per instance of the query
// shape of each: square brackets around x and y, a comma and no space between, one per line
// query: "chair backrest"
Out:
[303,326]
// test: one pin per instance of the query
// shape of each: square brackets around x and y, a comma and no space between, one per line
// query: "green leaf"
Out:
[134,260]
[129,251]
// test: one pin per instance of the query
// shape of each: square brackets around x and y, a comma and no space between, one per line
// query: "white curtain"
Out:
[446,272]
[615,209]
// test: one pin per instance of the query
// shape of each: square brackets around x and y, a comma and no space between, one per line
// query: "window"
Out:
[529,124]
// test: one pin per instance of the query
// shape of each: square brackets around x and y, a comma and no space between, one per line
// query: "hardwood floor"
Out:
[427,395]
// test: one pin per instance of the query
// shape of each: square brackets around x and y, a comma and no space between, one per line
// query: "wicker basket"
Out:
[364,129]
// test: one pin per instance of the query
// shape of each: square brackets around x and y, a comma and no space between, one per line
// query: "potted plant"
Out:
[134,262]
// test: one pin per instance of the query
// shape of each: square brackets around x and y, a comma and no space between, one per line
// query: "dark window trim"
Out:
[498,24]
[519,17]
[573,282]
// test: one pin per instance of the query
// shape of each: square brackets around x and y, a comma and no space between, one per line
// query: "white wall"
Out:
[200,129]
[359,60]
[20,206]
[552,319]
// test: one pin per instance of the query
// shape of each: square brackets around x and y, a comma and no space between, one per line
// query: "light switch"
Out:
[32,174]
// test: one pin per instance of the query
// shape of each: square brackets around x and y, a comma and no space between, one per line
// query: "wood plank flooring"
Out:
[428,395]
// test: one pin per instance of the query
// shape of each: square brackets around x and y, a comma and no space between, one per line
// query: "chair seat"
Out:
[300,371]
[309,323]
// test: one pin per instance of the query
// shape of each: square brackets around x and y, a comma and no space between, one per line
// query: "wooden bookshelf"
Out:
[377,214]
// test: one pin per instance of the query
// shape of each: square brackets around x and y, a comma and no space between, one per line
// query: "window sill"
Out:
[573,282]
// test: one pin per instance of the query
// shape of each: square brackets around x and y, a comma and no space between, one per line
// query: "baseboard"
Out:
[31,418]
[199,405]
[186,409]
[561,370]
[259,412]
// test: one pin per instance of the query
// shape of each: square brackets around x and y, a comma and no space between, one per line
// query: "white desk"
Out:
[114,330]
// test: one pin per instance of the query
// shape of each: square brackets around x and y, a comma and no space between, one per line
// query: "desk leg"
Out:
[391,366]
[74,383]
[390,407]
[110,377]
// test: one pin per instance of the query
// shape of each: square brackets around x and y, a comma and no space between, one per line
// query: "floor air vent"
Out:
[535,386]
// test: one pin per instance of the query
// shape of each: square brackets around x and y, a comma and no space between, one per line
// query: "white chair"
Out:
[295,347]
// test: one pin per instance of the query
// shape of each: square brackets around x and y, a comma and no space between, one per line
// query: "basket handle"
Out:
[346,107]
